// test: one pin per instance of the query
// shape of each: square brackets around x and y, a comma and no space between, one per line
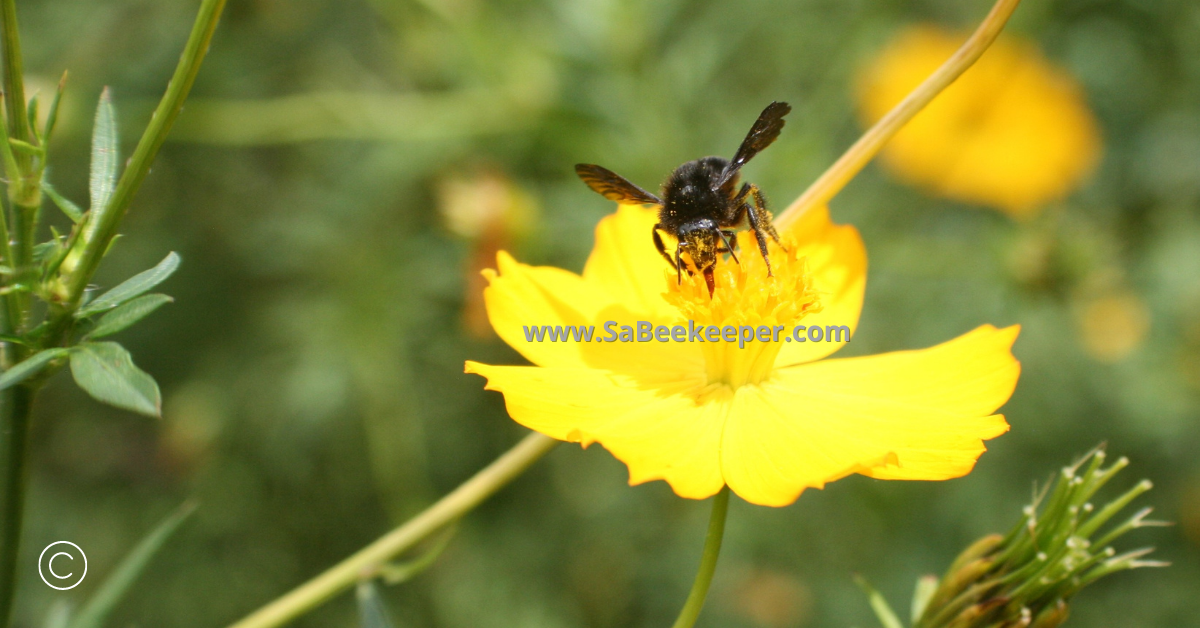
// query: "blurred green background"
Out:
[312,363]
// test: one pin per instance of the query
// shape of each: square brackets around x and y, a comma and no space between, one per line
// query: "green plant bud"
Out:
[1026,579]
[1053,616]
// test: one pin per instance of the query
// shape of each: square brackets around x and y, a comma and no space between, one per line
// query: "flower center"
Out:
[757,305]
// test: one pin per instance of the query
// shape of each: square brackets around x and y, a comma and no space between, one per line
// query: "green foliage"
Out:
[371,611]
[127,314]
[879,605]
[66,205]
[1028,577]
[30,366]
[96,611]
[130,288]
[106,371]
[105,153]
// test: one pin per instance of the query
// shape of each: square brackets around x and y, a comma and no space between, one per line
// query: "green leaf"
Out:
[127,314]
[926,587]
[106,371]
[59,614]
[105,158]
[10,162]
[26,368]
[46,250]
[25,148]
[887,617]
[105,599]
[31,112]
[70,209]
[396,573]
[132,287]
[371,611]
[52,115]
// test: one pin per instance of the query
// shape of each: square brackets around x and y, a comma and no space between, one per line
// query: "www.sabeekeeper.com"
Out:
[645,331]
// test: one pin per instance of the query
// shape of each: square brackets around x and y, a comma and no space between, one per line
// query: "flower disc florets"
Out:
[746,296]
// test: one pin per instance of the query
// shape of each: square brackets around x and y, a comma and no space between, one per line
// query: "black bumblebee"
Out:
[703,204]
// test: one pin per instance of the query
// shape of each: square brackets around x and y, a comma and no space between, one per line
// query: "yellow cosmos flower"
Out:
[768,419]
[1013,132]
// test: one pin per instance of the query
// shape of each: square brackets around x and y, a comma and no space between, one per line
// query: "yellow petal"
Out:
[658,432]
[912,415]
[837,261]
[521,295]
[1013,132]
[626,266]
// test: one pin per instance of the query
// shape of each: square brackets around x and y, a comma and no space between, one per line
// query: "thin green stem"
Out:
[345,574]
[14,78]
[860,154]
[16,127]
[15,403]
[14,440]
[108,218]
[708,562]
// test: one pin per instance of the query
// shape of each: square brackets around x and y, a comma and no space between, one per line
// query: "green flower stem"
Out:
[708,561]
[108,218]
[860,154]
[14,78]
[347,573]
[16,402]
[14,440]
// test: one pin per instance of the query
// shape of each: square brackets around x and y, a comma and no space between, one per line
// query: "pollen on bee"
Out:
[743,294]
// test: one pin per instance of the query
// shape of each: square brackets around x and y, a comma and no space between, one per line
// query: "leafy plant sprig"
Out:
[47,318]
[1027,577]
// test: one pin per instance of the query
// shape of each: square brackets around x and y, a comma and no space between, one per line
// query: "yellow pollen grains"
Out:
[1014,132]
[746,297]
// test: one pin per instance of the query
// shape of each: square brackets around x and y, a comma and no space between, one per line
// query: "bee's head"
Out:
[699,239]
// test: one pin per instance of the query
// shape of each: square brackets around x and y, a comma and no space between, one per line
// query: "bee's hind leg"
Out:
[765,217]
[756,224]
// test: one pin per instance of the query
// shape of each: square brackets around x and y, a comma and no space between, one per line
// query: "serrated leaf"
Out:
[883,611]
[103,177]
[72,210]
[132,287]
[26,368]
[106,371]
[371,611]
[105,599]
[128,313]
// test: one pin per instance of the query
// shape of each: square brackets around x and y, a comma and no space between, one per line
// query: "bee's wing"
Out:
[765,130]
[613,186]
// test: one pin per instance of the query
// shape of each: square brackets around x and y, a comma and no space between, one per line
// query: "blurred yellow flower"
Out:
[1014,132]
[768,419]
[1113,326]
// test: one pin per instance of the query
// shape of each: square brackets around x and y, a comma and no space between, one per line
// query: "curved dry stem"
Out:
[345,574]
[853,160]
